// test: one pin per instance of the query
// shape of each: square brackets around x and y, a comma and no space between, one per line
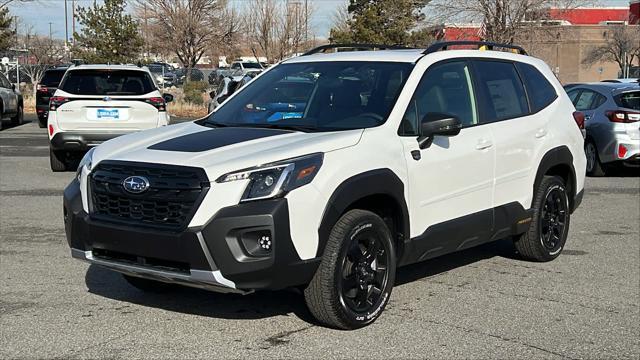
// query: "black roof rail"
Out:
[323,48]
[443,45]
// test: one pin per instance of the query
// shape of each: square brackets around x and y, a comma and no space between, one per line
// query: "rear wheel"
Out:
[147,285]
[594,166]
[354,281]
[58,160]
[42,123]
[18,119]
[549,227]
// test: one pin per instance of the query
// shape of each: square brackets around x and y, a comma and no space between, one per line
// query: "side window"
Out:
[585,100]
[235,66]
[504,96]
[573,95]
[444,88]
[541,93]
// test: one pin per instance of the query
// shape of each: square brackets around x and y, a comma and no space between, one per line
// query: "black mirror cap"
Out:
[167,98]
[440,124]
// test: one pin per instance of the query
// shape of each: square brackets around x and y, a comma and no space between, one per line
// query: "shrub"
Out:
[193,91]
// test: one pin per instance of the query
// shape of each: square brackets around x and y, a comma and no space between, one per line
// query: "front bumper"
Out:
[71,141]
[218,256]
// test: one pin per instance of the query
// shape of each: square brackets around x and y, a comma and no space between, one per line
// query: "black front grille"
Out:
[172,198]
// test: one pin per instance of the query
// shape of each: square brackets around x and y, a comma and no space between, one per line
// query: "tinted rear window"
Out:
[251,65]
[629,100]
[503,91]
[107,82]
[541,92]
[52,78]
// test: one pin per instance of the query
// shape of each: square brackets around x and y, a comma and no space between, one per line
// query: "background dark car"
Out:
[196,75]
[45,89]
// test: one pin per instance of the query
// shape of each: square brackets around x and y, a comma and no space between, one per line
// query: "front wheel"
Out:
[354,281]
[549,227]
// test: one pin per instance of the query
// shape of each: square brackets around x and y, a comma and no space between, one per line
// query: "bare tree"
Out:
[260,22]
[43,53]
[278,28]
[502,20]
[185,27]
[622,46]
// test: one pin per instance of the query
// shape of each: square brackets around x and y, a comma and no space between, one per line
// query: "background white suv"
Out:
[95,103]
[329,171]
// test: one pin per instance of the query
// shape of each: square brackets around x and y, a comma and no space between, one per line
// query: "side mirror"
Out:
[212,94]
[440,124]
[167,98]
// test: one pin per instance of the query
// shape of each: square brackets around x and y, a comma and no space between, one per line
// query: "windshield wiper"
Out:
[303,128]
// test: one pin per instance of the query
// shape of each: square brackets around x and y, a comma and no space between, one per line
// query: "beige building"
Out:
[565,47]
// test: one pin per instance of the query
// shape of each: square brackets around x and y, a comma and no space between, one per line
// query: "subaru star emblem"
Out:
[106,98]
[136,184]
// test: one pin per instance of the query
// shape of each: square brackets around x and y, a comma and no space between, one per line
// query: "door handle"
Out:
[483,144]
[541,133]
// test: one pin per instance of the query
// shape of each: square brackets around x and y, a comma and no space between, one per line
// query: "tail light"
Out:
[579,118]
[41,88]
[157,102]
[621,116]
[56,101]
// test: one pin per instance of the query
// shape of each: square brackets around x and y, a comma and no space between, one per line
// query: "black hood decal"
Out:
[214,138]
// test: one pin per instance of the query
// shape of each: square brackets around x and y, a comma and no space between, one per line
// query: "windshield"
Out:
[107,82]
[322,96]
[251,65]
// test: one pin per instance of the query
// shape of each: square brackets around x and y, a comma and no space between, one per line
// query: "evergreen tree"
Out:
[108,34]
[6,30]
[390,22]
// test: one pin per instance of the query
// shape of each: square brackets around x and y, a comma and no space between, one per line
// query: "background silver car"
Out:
[612,121]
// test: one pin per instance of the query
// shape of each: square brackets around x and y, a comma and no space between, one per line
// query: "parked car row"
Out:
[237,68]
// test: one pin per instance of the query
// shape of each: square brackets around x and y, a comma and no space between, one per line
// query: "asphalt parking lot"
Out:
[480,303]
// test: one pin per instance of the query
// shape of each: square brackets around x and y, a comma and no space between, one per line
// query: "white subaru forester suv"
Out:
[330,170]
[95,103]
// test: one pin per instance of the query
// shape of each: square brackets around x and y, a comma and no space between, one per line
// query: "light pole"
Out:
[66,26]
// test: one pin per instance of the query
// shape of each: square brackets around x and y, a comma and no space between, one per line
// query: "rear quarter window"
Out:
[107,82]
[630,100]
[540,92]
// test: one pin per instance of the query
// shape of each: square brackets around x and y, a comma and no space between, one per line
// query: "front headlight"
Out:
[86,161]
[276,179]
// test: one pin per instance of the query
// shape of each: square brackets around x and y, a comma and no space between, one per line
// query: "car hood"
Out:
[220,150]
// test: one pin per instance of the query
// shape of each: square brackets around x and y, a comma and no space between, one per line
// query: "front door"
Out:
[451,181]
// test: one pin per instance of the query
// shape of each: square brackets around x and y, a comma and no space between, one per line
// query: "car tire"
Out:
[549,226]
[354,280]
[58,160]
[147,285]
[594,167]
[42,123]
[18,119]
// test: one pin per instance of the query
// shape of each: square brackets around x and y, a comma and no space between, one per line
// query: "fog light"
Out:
[265,242]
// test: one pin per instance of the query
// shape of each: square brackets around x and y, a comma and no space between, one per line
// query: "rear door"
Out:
[108,99]
[9,98]
[518,134]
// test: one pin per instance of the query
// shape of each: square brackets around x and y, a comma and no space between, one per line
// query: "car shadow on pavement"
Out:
[263,304]
[501,248]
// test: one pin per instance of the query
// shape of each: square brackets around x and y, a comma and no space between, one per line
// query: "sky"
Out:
[38,14]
